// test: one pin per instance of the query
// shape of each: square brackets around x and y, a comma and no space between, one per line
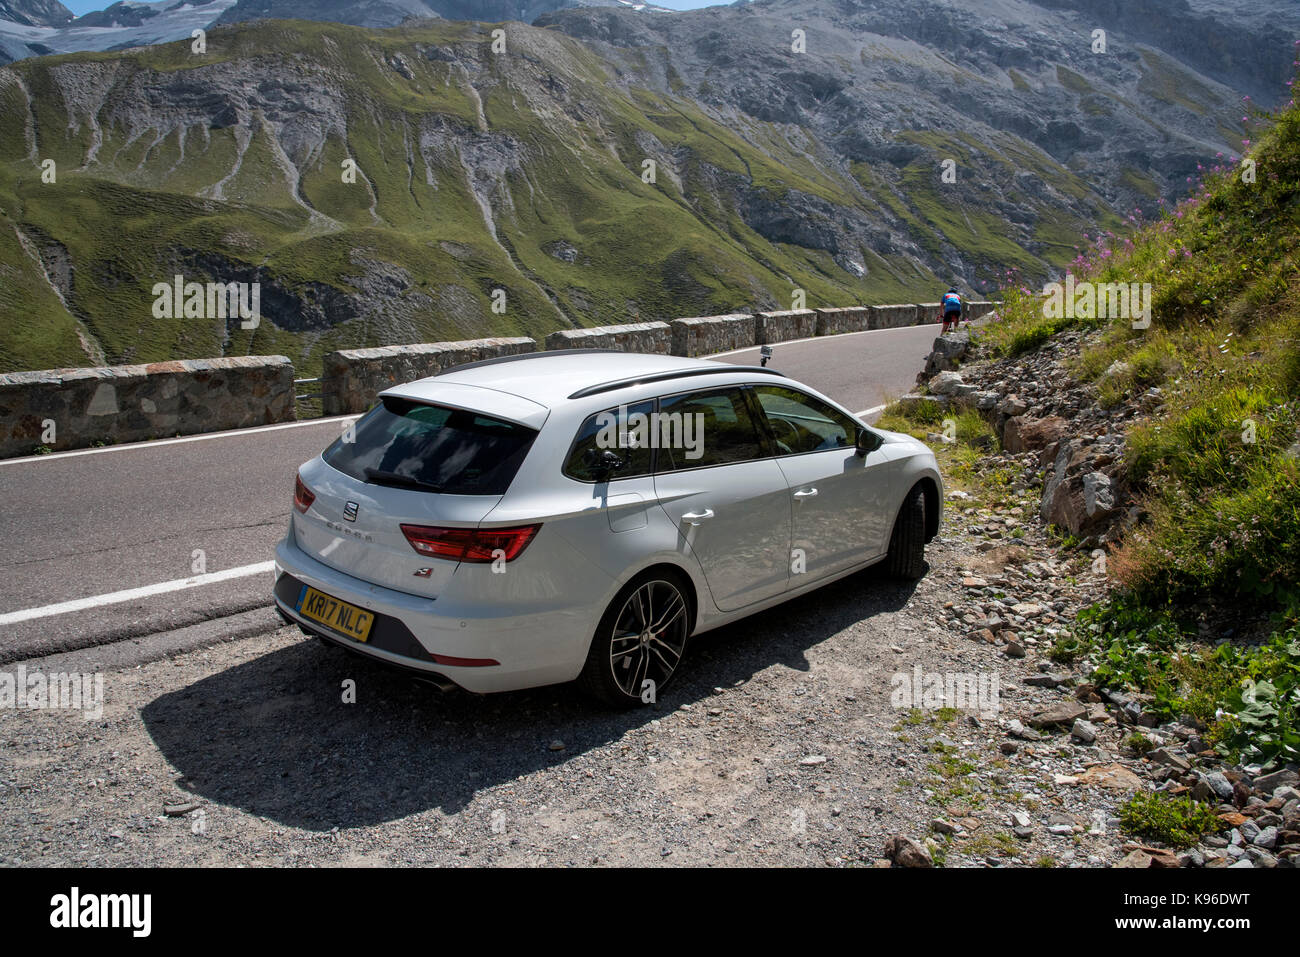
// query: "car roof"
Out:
[550,378]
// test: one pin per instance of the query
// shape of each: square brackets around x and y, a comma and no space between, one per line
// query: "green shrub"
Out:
[1177,821]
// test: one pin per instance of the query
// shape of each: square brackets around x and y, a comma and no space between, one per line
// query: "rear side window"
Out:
[432,448]
[706,428]
[625,431]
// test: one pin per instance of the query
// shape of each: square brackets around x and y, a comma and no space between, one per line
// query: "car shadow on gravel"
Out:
[273,737]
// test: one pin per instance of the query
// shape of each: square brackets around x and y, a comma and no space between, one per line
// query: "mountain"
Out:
[35,13]
[1135,121]
[119,26]
[476,171]
[42,27]
[388,13]
[361,13]
[775,170]
[1218,38]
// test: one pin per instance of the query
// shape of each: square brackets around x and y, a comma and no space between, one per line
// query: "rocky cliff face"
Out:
[888,83]
[35,13]
[1246,45]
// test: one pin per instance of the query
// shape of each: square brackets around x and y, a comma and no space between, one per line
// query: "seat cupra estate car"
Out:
[538,519]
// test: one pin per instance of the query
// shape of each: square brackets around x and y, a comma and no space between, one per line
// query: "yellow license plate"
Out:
[338,615]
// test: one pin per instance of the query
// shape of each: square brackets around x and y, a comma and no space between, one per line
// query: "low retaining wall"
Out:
[894,317]
[834,322]
[654,337]
[352,378]
[707,335]
[782,326]
[75,408]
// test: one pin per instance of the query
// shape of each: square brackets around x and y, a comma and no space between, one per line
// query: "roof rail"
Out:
[515,358]
[662,376]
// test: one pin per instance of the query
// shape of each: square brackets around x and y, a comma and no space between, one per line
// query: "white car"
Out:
[579,515]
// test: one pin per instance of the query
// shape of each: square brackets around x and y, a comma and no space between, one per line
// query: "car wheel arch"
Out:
[679,572]
[930,489]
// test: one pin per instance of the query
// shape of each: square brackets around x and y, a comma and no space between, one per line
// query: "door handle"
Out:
[806,493]
[695,518]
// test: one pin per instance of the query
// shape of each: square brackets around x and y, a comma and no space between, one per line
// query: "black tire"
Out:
[625,652]
[906,558]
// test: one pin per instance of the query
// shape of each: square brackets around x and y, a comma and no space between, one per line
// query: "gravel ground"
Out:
[784,742]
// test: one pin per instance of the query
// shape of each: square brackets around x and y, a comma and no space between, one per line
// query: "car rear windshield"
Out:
[432,448]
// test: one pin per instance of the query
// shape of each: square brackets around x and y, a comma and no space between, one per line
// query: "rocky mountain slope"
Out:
[389,13]
[42,27]
[774,170]
[38,28]
[474,172]
[35,13]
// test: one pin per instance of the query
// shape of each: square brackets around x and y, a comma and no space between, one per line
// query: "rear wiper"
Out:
[397,480]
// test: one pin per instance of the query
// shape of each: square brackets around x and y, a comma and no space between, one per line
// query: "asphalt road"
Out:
[79,527]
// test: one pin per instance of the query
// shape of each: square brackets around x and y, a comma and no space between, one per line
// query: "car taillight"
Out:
[302,495]
[470,544]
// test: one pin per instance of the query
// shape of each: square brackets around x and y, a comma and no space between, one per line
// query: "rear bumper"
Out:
[532,646]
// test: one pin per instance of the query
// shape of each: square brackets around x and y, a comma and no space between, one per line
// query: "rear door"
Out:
[728,498]
[837,497]
[405,462]
[626,493]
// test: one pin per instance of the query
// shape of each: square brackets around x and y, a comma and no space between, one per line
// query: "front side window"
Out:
[802,424]
[433,448]
[712,427]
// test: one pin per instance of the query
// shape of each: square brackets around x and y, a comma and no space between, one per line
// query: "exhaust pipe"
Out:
[437,681]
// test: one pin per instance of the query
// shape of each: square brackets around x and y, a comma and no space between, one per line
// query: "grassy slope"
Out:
[1205,617]
[1218,467]
[143,207]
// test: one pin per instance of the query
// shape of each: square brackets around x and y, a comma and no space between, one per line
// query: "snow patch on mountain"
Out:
[128,24]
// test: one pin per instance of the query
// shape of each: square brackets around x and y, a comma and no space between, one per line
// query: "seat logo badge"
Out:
[423,572]
[350,511]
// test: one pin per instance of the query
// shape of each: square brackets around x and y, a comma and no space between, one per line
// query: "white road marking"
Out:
[840,335]
[230,433]
[131,594]
[871,411]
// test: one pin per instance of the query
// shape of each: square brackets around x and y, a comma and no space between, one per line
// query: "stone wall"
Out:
[76,408]
[928,312]
[709,335]
[653,337]
[834,322]
[892,317]
[62,409]
[352,378]
[783,326]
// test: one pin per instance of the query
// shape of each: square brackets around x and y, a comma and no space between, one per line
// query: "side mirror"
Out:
[867,442]
[603,462]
